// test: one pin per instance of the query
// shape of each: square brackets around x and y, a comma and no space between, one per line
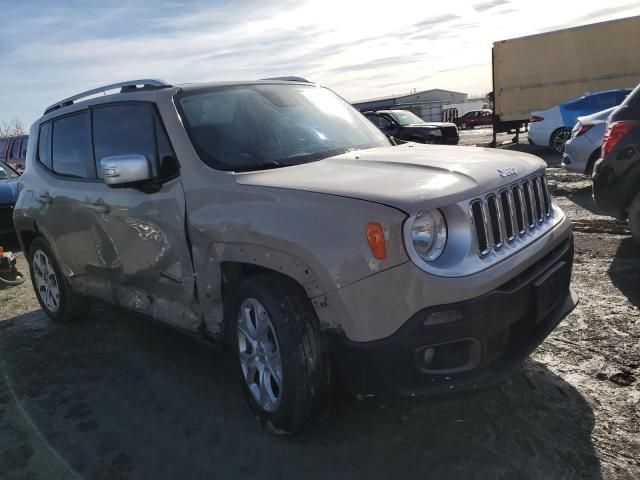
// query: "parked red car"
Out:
[13,151]
[475,118]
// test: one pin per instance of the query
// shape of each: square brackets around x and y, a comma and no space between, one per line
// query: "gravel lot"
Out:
[117,397]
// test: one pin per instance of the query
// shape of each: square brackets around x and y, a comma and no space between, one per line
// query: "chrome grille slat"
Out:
[537,198]
[547,196]
[480,225]
[518,203]
[508,214]
[528,203]
[495,220]
[511,213]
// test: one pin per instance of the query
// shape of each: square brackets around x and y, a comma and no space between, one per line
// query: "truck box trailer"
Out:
[539,71]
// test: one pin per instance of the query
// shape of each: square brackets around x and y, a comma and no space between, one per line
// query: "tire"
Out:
[559,138]
[634,218]
[595,156]
[289,395]
[463,126]
[51,287]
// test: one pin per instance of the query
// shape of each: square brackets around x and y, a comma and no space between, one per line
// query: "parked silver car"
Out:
[582,150]
[274,217]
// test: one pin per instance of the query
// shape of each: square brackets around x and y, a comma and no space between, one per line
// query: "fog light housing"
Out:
[443,316]
[428,355]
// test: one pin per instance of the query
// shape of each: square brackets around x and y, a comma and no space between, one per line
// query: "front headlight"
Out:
[428,231]
[435,132]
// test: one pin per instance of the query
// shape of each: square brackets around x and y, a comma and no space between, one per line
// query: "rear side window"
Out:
[132,129]
[23,150]
[608,100]
[15,149]
[71,146]
[44,145]
[3,146]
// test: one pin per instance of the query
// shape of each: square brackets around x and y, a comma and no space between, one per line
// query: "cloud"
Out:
[430,22]
[377,64]
[51,50]
[481,7]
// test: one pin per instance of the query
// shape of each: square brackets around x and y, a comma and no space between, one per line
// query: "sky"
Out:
[52,49]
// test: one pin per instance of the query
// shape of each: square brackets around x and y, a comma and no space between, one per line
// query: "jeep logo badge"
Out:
[507,172]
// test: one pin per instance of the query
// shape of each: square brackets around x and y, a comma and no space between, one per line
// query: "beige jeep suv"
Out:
[274,217]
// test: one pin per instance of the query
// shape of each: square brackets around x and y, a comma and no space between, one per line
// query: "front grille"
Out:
[449,132]
[504,216]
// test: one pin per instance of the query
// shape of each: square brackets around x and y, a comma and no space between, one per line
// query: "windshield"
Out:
[248,127]
[404,117]
[7,172]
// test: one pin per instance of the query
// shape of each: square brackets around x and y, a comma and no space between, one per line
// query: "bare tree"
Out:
[14,127]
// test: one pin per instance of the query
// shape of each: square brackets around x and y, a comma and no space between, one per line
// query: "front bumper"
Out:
[496,333]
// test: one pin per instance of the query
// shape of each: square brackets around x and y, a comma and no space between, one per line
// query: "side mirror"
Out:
[125,169]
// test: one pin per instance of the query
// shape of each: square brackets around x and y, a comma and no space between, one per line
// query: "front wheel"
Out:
[283,366]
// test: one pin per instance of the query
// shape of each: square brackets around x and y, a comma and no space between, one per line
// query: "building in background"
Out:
[427,104]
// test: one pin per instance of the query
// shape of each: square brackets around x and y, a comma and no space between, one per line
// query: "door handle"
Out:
[99,206]
[45,198]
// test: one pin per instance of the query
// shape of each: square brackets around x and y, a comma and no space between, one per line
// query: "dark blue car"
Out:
[8,196]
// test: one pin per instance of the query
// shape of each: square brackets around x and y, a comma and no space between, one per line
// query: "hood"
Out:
[8,192]
[430,125]
[409,177]
[597,117]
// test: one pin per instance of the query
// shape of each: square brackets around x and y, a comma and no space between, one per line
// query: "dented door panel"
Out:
[145,258]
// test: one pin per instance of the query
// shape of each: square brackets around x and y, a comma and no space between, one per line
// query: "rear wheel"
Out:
[634,218]
[559,139]
[463,126]
[51,287]
[283,366]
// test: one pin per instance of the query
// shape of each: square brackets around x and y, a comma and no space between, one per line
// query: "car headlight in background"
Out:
[434,132]
[427,235]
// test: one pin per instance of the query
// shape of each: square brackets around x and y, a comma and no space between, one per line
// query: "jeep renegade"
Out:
[273,216]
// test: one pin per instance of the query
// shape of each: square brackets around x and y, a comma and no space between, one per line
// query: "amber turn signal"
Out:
[375,237]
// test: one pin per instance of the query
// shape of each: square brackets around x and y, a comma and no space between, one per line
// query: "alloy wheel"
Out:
[259,354]
[560,139]
[46,281]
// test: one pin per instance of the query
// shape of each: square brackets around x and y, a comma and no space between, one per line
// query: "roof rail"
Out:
[288,79]
[130,85]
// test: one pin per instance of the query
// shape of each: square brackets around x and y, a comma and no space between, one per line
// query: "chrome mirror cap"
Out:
[125,169]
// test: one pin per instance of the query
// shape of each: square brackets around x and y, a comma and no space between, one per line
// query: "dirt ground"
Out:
[118,397]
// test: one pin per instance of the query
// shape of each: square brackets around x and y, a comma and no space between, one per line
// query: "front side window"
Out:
[404,117]
[124,130]
[132,129]
[248,127]
[3,145]
[71,146]
[379,121]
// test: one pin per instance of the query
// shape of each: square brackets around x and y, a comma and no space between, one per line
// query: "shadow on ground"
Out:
[116,396]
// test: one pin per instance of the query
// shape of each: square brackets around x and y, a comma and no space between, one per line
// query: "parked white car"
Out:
[552,127]
[582,150]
